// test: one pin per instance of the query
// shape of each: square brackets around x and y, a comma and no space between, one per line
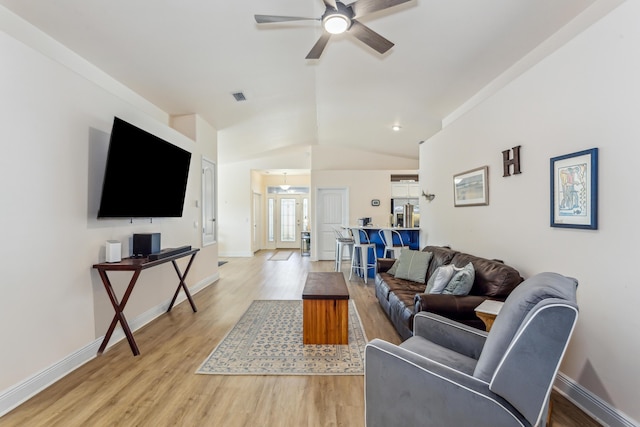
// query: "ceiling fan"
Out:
[339,18]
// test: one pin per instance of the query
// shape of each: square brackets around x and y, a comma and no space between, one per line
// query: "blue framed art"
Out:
[574,190]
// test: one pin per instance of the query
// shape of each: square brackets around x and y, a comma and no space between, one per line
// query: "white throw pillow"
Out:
[440,279]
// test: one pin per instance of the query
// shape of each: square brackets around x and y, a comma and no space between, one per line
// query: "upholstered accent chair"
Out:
[450,374]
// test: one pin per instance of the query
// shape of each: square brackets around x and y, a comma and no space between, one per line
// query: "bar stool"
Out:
[341,242]
[362,245]
[386,235]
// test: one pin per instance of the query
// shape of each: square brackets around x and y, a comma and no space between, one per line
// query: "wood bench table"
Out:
[325,309]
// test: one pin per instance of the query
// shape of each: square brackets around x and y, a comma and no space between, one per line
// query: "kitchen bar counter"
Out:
[410,236]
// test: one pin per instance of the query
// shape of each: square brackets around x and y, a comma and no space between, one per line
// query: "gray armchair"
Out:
[449,374]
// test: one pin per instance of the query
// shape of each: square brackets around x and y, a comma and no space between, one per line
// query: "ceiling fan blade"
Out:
[369,37]
[317,48]
[267,19]
[330,3]
[365,7]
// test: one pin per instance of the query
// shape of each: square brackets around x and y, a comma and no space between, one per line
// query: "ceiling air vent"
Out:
[239,96]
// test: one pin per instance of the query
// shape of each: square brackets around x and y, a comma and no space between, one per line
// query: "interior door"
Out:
[332,210]
[257,237]
[209,228]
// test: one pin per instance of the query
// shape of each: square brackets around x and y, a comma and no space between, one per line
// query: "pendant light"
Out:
[284,186]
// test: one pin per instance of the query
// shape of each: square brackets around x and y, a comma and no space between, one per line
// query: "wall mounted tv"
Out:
[145,176]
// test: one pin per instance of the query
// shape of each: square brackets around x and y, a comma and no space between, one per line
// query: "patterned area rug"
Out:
[267,340]
[281,256]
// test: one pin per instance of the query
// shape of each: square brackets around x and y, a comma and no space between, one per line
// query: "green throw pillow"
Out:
[461,282]
[413,265]
[394,268]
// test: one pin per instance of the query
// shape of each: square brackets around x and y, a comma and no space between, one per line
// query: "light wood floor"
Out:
[160,388]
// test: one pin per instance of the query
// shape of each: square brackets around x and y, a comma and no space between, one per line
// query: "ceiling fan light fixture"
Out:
[336,23]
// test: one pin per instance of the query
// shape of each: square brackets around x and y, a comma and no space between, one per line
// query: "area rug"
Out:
[267,340]
[281,256]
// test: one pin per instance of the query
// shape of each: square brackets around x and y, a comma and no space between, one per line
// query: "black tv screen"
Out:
[145,176]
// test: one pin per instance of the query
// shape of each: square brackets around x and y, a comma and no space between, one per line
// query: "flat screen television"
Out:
[145,176]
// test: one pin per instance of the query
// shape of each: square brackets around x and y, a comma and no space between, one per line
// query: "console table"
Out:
[136,265]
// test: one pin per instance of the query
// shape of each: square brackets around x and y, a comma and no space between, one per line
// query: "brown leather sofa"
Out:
[402,299]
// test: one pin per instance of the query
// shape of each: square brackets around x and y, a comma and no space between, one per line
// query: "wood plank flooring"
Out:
[160,387]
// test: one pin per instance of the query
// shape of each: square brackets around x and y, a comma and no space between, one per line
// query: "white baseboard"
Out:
[591,404]
[242,254]
[20,393]
[23,391]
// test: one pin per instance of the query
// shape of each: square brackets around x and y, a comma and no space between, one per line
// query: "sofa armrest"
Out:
[384,264]
[450,334]
[403,388]
[452,306]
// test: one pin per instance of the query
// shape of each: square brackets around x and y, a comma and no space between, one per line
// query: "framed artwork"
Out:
[471,188]
[574,190]
[375,202]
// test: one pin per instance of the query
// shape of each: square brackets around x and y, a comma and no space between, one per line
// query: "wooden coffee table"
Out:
[325,309]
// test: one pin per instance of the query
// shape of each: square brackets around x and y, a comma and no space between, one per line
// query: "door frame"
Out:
[317,227]
[209,201]
[257,234]
[298,215]
[276,243]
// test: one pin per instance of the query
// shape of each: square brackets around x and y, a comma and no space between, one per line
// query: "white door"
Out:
[288,221]
[209,227]
[332,210]
[257,239]
[287,216]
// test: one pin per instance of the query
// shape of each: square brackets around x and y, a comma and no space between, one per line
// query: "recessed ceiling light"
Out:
[396,127]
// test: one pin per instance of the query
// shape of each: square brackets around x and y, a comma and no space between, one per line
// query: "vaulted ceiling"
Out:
[191,56]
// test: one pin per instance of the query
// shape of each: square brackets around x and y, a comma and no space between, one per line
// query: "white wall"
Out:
[235,187]
[367,173]
[364,186]
[330,157]
[585,95]
[235,196]
[234,211]
[56,120]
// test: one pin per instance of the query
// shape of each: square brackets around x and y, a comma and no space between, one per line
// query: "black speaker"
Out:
[146,243]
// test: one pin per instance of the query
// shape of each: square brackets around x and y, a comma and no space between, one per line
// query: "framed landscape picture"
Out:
[574,190]
[471,188]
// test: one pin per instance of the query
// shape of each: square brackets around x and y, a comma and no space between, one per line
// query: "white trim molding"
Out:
[20,393]
[236,254]
[591,404]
